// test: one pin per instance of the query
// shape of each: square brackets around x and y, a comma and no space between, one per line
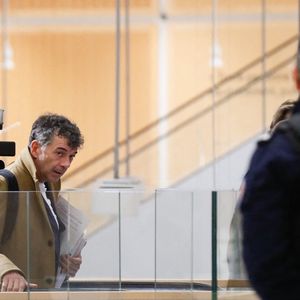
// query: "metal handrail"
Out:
[188,103]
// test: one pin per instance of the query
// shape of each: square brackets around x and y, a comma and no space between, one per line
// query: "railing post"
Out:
[214,267]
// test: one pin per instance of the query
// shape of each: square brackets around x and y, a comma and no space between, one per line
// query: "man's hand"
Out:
[70,264]
[14,282]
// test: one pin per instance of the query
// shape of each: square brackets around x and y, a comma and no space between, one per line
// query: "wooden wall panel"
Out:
[71,70]
[71,5]
[231,6]
[73,73]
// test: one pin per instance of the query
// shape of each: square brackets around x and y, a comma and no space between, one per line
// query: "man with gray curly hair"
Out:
[29,257]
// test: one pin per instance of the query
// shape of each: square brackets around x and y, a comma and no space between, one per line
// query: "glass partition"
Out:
[182,239]
[169,243]
[228,267]
[101,210]
[137,232]
[229,238]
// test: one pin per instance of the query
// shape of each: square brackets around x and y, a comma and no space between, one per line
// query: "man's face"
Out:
[53,160]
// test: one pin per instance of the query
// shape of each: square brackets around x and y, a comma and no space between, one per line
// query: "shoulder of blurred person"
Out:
[282,146]
[234,250]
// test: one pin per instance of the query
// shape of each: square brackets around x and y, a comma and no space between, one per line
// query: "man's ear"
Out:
[296,77]
[35,149]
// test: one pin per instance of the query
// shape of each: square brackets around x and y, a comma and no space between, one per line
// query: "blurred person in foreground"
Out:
[270,208]
[271,213]
[30,257]
[235,261]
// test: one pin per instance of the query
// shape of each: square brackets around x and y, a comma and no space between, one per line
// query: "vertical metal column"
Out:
[117,91]
[298,16]
[163,97]
[127,78]
[263,65]
[298,46]
[4,36]
[213,78]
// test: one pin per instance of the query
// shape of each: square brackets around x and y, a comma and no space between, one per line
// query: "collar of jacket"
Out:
[26,158]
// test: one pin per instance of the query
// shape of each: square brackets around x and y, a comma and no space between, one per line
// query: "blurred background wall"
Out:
[198,78]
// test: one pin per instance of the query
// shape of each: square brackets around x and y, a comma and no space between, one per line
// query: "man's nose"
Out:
[66,162]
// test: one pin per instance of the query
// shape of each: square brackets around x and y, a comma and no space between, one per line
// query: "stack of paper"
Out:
[73,239]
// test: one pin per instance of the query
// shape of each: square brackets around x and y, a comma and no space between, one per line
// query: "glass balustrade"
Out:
[168,244]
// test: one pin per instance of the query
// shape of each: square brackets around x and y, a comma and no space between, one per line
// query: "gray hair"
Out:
[49,125]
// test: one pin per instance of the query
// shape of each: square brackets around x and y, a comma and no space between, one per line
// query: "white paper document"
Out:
[73,239]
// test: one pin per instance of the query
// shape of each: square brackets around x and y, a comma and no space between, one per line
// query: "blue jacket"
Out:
[270,210]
